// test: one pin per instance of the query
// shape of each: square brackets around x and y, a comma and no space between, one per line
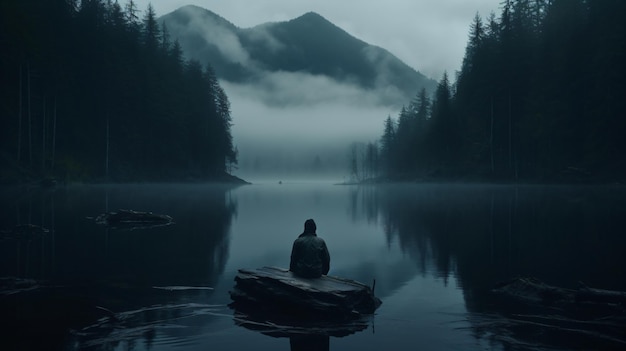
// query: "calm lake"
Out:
[435,252]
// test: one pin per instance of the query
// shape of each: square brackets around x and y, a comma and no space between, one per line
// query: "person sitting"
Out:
[309,255]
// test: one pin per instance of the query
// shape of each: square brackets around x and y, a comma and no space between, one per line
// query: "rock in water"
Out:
[326,296]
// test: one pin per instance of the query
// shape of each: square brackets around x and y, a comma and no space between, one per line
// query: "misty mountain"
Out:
[309,44]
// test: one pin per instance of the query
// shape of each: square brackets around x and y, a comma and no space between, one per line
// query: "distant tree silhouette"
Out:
[95,93]
[150,30]
[443,137]
[539,97]
[388,147]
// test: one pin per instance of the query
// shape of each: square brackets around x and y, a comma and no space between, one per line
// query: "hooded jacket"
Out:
[309,256]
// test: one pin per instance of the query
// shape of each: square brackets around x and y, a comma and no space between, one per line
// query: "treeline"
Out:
[540,97]
[95,90]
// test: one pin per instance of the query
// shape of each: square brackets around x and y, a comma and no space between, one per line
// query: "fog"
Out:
[285,121]
[294,125]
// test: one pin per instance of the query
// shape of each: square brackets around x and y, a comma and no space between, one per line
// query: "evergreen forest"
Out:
[95,90]
[540,97]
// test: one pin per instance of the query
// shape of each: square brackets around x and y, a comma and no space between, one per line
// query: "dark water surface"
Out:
[435,252]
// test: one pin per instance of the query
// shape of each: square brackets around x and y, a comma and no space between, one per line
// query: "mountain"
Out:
[307,44]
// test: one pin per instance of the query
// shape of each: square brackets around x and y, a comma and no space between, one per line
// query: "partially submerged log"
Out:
[581,318]
[534,290]
[327,296]
[130,218]
[585,293]
[583,303]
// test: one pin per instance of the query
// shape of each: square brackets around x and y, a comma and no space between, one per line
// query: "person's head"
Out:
[309,226]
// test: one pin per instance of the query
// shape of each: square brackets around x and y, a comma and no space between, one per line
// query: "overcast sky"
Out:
[429,35]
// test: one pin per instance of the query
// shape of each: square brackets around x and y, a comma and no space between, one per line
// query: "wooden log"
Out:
[532,290]
[130,217]
[585,293]
[327,295]
[584,318]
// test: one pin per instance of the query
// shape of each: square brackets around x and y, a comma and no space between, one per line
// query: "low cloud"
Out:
[260,34]
[283,89]
[287,123]
[224,39]
[384,62]
[295,124]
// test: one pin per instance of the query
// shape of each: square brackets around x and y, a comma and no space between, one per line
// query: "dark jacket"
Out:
[309,256]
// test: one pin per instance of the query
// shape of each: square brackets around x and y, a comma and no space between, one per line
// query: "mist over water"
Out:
[296,126]
[297,105]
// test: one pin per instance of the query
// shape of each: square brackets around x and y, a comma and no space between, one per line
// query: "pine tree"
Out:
[123,111]
[165,38]
[150,30]
[388,147]
[443,136]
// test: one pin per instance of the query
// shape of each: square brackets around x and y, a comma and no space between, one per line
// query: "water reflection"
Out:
[303,333]
[434,250]
[309,342]
[486,234]
[78,267]
[480,235]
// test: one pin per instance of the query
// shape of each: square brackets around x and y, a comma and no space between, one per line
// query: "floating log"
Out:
[583,302]
[133,218]
[327,296]
[585,293]
[534,290]
[582,318]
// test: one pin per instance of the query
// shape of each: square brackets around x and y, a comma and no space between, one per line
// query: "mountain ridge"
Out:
[203,11]
[308,44]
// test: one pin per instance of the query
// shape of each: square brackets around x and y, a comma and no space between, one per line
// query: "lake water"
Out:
[435,252]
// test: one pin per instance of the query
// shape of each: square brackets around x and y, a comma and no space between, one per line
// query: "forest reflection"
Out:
[480,235]
[466,237]
[86,265]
